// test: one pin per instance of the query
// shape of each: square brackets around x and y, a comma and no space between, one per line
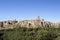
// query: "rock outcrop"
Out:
[28,23]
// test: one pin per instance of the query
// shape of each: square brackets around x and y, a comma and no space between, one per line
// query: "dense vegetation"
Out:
[30,34]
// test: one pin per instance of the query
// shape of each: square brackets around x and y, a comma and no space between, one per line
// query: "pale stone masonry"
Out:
[38,22]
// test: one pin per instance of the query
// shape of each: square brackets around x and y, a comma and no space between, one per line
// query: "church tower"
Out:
[38,19]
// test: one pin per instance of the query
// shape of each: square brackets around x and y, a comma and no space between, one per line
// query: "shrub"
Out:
[31,34]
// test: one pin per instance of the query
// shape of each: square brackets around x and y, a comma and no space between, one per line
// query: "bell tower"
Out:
[38,19]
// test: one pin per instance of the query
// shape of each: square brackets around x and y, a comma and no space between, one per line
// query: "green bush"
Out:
[31,34]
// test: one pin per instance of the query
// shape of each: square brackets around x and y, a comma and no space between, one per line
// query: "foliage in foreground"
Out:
[31,34]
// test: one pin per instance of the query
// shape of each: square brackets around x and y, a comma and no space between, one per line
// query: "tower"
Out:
[38,19]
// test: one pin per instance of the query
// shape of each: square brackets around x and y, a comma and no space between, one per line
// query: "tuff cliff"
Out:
[38,22]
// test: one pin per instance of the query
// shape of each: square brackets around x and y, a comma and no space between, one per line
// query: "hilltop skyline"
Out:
[49,10]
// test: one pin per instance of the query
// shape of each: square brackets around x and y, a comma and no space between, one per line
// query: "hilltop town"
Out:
[38,22]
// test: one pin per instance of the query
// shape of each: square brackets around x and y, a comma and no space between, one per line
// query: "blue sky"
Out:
[30,9]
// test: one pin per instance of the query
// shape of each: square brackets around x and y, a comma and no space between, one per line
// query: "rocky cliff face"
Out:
[28,23]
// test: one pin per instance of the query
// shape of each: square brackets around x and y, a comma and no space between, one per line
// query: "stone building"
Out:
[38,22]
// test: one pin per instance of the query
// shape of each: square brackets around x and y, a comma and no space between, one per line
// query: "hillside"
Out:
[30,34]
[37,29]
